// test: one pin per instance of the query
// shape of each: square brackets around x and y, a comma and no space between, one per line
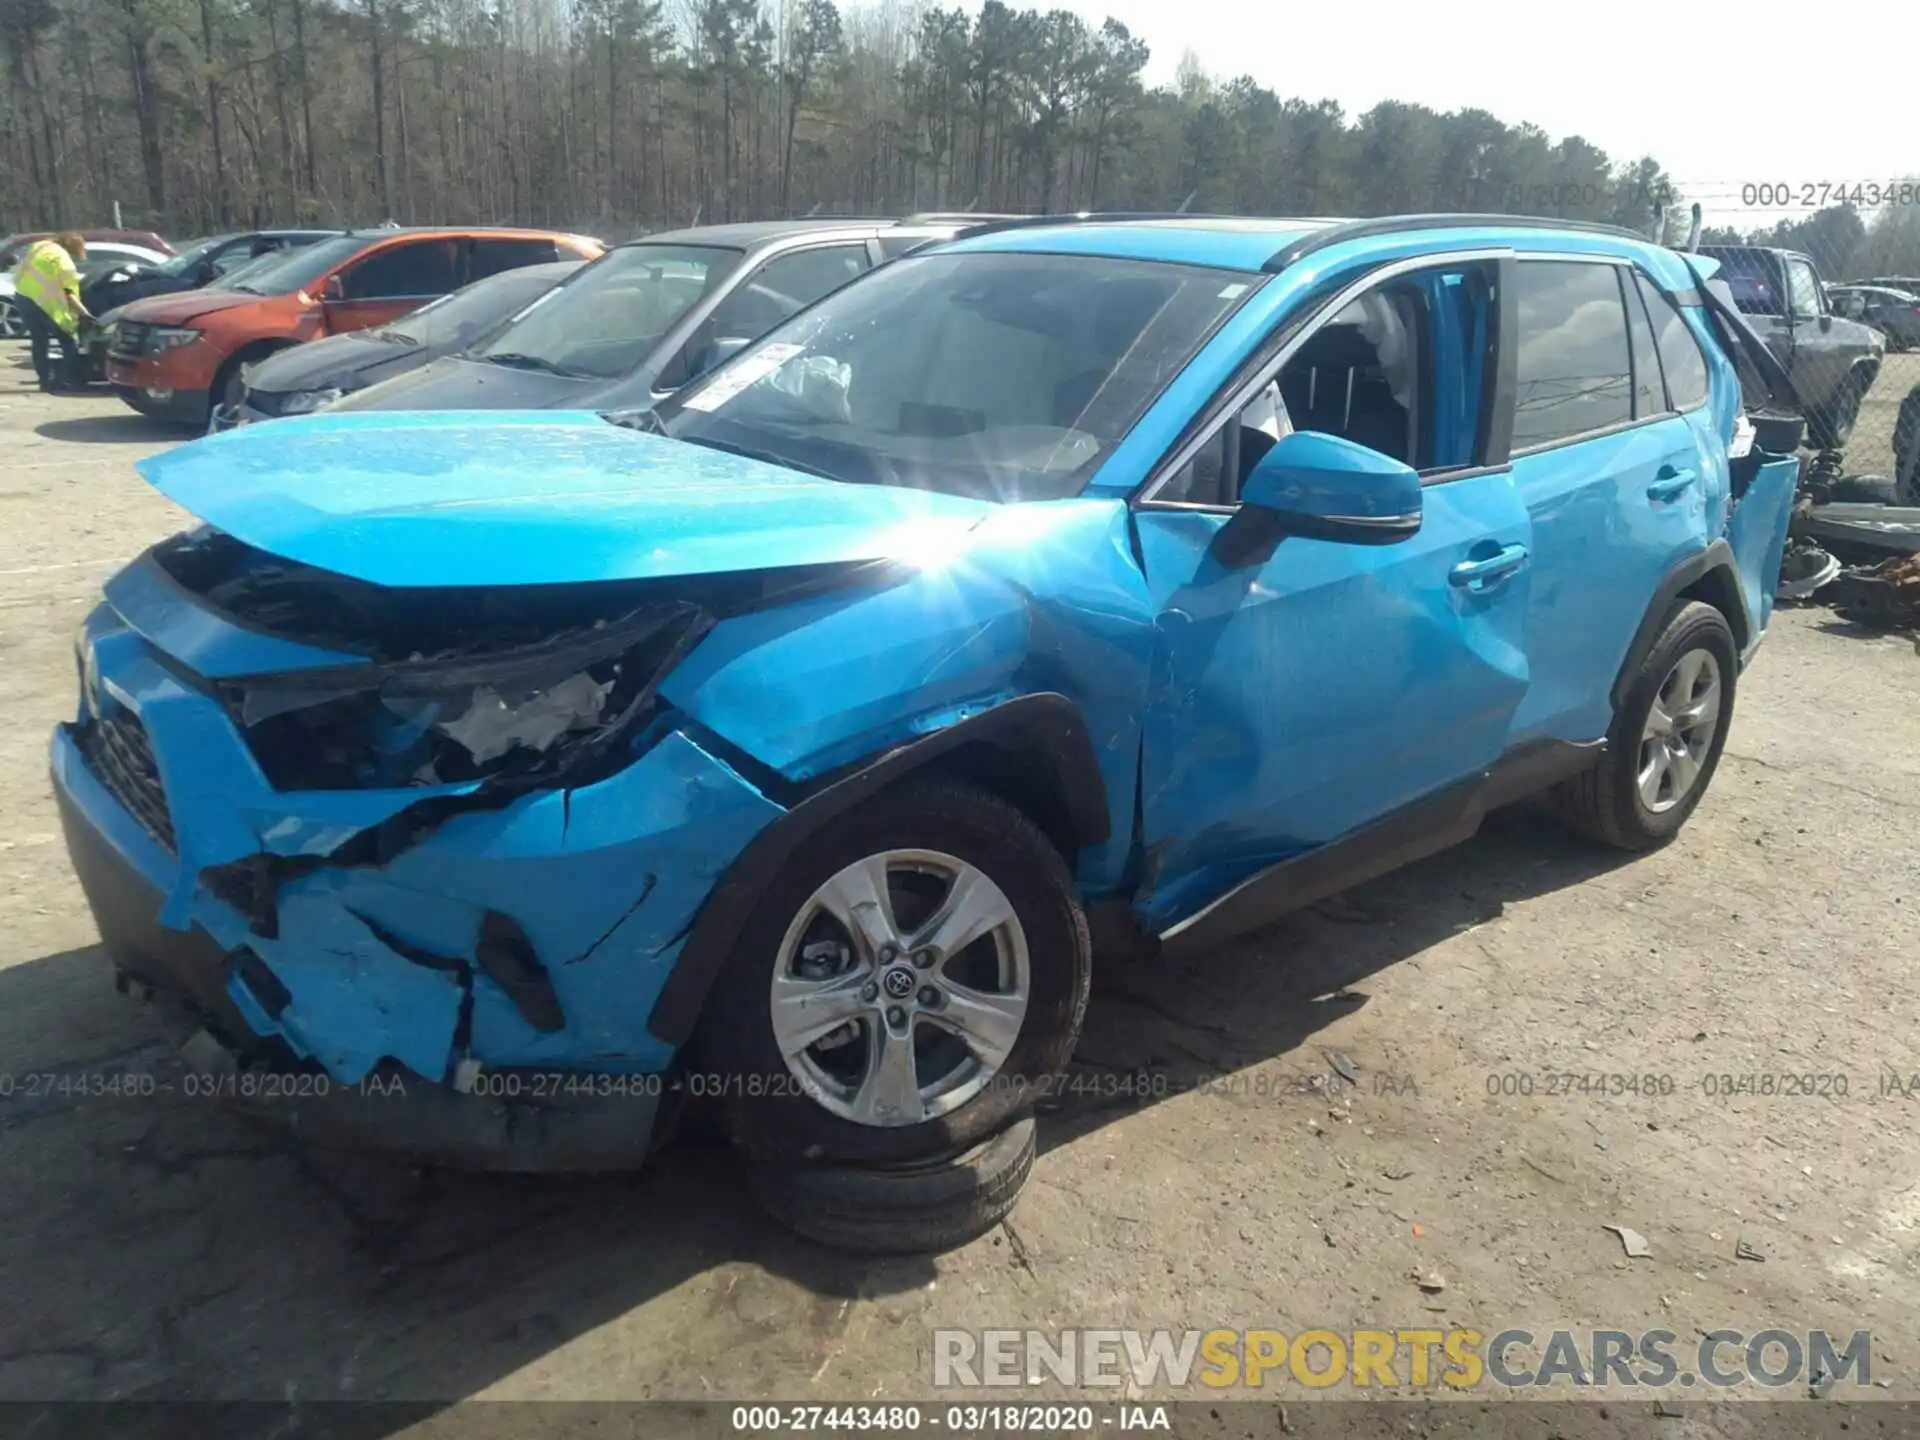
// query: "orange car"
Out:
[175,357]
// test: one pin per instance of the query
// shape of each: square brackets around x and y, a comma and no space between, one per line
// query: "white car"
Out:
[13,328]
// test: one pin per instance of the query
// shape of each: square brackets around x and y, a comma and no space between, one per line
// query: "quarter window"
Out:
[1574,364]
[1680,357]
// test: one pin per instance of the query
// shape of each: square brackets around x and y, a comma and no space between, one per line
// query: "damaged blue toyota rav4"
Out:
[1096,583]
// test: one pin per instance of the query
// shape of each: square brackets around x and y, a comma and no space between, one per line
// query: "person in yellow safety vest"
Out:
[47,299]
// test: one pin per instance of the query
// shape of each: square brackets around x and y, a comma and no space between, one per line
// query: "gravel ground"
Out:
[154,1247]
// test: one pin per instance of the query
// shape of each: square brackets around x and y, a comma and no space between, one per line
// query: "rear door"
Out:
[486,257]
[394,279]
[1612,473]
[1298,697]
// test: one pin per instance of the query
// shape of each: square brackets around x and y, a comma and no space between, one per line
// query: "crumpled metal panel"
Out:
[1293,701]
[1035,598]
[604,880]
[529,498]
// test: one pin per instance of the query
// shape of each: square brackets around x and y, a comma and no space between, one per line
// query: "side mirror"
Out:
[1323,487]
[204,273]
[335,289]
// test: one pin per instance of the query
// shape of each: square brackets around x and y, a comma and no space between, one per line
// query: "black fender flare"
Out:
[1709,574]
[1046,728]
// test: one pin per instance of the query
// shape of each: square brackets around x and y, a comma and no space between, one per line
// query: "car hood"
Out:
[454,382]
[540,498]
[346,362]
[189,305]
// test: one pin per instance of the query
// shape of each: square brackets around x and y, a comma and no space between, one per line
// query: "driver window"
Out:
[1400,370]
[1803,290]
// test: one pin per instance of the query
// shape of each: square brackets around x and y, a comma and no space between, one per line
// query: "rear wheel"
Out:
[892,1210]
[901,985]
[12,327]
[1666,737]
[1906,450]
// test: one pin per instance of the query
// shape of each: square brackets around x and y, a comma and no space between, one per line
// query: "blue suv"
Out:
[1096,583]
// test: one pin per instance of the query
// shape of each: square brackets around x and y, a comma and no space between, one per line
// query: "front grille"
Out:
[129,340]
[267,402]
[116,749]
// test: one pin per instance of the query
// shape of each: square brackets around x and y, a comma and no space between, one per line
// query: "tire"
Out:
[900,1210]
[1831,425]
[1906,450]
[228,389]
[1608,802]
[827,1104]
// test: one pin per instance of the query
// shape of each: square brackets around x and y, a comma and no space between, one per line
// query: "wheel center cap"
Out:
[898,982]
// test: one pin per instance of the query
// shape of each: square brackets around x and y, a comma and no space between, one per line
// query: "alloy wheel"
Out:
[900,988]
[1679,731]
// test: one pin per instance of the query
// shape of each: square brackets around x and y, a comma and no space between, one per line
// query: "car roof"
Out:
[1225,242]
[1271,244]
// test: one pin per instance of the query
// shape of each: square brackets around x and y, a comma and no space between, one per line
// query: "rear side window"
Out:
[403,272]
[491,257]
[1575,370]
[1680,357]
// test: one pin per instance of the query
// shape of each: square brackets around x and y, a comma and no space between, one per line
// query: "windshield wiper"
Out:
[647,421]
[391,337]
[515,360]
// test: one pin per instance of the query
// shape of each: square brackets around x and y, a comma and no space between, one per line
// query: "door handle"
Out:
[1479,576]
[1669,483]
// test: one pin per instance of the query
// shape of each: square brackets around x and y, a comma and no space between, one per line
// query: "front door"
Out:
[393,280]
[1299,697]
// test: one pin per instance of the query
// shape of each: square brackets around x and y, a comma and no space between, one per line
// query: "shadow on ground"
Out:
[152,1246]
[127,429]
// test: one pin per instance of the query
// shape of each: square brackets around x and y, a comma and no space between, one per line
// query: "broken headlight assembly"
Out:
[544,712]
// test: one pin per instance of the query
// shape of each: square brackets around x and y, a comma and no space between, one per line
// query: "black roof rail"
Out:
[1400,224]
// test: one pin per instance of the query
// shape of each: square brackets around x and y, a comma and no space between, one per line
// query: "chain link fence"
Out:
[1832,280]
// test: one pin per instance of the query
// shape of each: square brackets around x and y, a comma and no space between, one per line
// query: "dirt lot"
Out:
[155,1248]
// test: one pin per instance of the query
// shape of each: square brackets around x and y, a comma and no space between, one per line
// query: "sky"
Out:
[1697,89]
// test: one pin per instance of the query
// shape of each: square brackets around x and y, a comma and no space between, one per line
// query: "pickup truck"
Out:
[1831,361]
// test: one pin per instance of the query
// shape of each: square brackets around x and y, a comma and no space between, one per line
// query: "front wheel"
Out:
[1666,737]
[903,987]
[1831,425]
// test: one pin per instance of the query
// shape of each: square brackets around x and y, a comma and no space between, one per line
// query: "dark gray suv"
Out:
[644,319]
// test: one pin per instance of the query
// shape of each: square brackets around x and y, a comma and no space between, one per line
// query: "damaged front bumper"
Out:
[501,963]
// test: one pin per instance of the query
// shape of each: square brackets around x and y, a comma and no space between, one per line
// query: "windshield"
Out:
[281,272]
[609,318]
[466,315]
[189,256]
[999,375]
